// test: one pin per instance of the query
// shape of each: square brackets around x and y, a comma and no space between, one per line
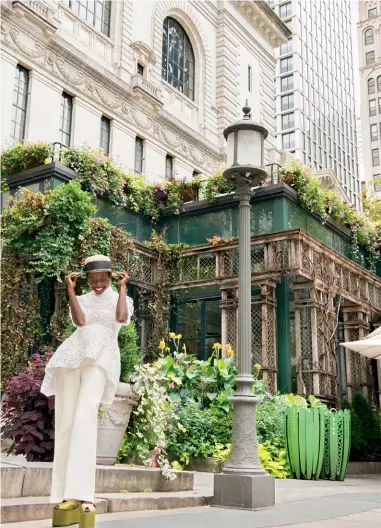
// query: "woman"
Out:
[83,373]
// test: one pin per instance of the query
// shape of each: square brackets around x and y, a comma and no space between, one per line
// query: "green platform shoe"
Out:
[66,513]
[87,515]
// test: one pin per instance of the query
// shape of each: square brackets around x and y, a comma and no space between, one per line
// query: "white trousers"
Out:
[78,394]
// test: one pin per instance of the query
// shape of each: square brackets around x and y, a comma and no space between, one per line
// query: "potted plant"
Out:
[113,419]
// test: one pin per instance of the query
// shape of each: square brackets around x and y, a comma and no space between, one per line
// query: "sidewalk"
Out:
[354,503]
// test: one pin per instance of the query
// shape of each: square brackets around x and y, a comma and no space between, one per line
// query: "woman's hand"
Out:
[71,281]
[124,277]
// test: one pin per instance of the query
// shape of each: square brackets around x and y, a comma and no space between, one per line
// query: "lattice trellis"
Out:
[231,327]
[306,263]
[279,252]
[271,350]
[256,334]
[355,363]
[258,258]
[306,364]
[140,267]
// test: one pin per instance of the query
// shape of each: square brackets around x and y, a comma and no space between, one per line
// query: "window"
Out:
[105,135]
[288,23]
[285,10]
[286,65]
[379,105]
[95,13]
[287,83]
[66,118]
[375,157]
[373,132]
[286,48]
[369,57]
[369,36]
[377,183]
[288,140]
[372,12]
[371,86]
[20,100]
[249,78]
[287,102]
[379,83]
[168,167]
[140,69]
[139,155]
[178,62]
[288,121]
[372,107]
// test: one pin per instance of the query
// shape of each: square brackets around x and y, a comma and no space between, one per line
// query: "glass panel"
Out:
[212,325]
[262,218]
[189,325]
[95,12]
[20,93]
[178,58]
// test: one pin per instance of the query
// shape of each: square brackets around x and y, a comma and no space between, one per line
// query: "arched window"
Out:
[369,36]
[178,64]
[379,83]
[371,86]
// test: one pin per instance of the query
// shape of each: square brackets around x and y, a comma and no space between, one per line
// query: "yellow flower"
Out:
[179,336]
[257,366]
[172,335]
[162,344]
[217,346]
[167,349]
[229,350]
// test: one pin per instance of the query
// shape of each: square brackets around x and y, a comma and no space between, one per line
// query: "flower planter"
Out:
[113,423]
[289,178]
[190,194]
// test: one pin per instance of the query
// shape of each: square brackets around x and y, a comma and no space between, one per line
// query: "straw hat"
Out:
[97,263]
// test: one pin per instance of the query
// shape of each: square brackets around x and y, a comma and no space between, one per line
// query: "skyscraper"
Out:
[370,90]
[315,106]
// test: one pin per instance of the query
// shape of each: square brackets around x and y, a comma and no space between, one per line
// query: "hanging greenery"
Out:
[315,197]
[169,259]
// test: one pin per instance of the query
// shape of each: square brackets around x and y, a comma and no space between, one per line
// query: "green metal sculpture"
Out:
[317,442]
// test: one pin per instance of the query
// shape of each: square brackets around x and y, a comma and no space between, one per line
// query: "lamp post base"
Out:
[244,492]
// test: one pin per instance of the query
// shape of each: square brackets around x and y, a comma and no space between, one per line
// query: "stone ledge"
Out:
[33,479]
[39,508]
[123,502]
[364,468]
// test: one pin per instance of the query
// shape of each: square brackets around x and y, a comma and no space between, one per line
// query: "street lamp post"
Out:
[244,483]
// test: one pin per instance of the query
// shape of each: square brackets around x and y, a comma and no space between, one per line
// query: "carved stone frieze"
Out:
[41,54]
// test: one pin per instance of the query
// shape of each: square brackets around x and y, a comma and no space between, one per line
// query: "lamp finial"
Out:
[246,110]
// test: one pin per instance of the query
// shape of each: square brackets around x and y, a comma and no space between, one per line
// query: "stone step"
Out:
[38,508]
[33,479]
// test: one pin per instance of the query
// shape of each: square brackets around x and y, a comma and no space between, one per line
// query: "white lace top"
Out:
[97,340]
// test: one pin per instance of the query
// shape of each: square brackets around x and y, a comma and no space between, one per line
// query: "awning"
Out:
[369,346]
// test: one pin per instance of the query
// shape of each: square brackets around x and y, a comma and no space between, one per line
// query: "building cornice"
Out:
[106,90]
[264,20]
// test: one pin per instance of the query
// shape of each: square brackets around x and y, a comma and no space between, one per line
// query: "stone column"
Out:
[244,483]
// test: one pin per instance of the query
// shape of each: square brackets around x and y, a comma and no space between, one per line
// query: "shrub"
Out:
[23,156]
[48,226]
[366,429]
[28,415]
[203,429]
[129,351]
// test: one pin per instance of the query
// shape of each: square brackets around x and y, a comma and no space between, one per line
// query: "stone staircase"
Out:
[25,488]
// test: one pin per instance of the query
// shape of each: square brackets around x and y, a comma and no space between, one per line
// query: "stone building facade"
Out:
[153,83]
[369,41]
